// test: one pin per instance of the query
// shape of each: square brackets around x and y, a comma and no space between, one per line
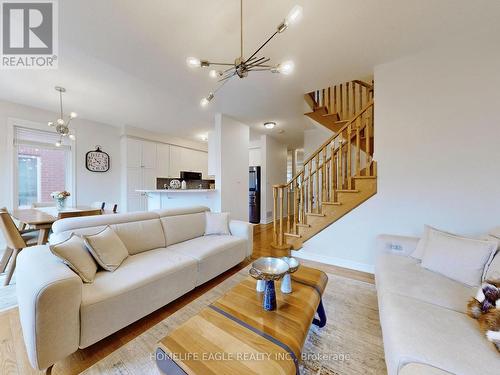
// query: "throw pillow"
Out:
[217,223]
[459,258]
[418,253]
[107,248]
[75,255]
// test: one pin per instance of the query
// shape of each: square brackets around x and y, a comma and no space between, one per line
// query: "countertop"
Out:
[177,191]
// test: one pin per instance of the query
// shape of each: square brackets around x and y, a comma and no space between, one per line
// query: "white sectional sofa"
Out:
[423,315]
[168,256]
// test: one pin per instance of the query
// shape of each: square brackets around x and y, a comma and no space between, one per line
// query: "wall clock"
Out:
[97,160]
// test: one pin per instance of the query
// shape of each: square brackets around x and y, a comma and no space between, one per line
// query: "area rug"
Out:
[351,342]
[8,298]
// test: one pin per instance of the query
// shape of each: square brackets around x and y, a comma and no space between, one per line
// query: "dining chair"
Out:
[100,205]
[43,204]
[68,214]
[15,243]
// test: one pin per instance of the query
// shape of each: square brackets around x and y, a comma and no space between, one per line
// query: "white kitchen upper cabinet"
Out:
[134,153]
[149,179]
[134,181]
[163,159]
[189,160]
[149,157]
[176,162]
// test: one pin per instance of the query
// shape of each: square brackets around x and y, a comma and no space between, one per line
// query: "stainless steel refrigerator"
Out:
[254,195]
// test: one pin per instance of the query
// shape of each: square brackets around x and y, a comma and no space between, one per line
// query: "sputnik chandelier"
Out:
[242,66]
[61,125]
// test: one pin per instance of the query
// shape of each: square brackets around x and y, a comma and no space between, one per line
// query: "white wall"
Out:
[315,137]
[437,143]
[90,186]
[273,172]
[254,153]
[229,149]
[164,138]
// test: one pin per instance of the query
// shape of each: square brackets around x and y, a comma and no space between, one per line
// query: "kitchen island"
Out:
[179,198]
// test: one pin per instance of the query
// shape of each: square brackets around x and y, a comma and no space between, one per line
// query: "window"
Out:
[40,166]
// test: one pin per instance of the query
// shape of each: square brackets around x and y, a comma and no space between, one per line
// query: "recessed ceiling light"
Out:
[269,125]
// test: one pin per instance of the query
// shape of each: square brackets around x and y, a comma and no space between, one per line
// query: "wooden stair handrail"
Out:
[333,170]
[363,83]
[333,137]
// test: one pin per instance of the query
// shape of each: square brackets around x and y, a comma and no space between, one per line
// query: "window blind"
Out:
[36,137]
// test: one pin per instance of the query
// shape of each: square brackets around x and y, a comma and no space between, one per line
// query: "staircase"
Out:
[339,176]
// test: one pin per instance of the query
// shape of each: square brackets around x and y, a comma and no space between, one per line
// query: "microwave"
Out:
[190,175]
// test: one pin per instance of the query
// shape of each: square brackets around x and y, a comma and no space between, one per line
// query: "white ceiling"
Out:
[123,61]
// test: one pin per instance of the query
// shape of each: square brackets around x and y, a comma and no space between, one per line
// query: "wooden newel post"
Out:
[282,203]
[275,210]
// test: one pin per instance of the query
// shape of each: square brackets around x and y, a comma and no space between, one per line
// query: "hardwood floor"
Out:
[13,358]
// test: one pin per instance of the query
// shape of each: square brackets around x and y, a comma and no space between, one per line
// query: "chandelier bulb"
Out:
[285,68]
[58,144]
[193,62]
[50,123]
[294,15]
[204,102]
[60,121]
[215,73]
[73,115]
[72,137]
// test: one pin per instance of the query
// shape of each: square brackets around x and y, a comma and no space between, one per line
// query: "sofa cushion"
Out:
[416,331]
[217,223]
[107,249]
[181,228]
[142,284]
[421,369]
[459,258]
[76,256]
[215,254]
[139,236]
[181,211]
[404,275]
[72,223]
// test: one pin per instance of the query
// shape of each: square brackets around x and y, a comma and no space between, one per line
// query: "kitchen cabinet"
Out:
[186,159]
[141,172]
[147,160]
[163,160]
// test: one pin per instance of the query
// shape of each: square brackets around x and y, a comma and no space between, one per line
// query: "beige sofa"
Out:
[169,256]
[424,325]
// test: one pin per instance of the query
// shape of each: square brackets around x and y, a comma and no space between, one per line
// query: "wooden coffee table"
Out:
[235,335]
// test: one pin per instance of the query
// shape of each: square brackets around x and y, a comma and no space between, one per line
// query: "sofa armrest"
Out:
[49,295]
[400,245]
[244,230]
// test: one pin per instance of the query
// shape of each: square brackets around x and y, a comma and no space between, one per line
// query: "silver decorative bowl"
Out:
[269,268]
[293,264]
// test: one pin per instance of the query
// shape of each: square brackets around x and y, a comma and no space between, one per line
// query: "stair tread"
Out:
[292,235]
[348,191]
[365,177]
[332,203]
[315,214]
[303,225]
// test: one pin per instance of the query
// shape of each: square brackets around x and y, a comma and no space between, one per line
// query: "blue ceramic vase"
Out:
[269,301]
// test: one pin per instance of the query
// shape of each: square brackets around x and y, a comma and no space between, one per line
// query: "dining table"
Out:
[42,218]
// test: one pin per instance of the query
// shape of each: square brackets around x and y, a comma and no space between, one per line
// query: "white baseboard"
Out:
[339,262]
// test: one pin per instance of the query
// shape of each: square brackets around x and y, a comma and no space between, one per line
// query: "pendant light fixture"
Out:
[241,65]
[61,125]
